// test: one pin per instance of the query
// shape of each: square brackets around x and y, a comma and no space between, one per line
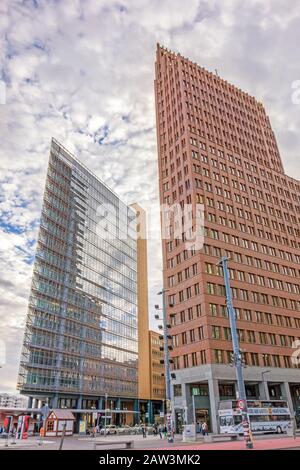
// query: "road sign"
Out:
[242,404]
[45,410]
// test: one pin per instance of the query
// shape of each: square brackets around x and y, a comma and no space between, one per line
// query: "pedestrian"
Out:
[204,429]
[165,432]
[144,430]
[160,431]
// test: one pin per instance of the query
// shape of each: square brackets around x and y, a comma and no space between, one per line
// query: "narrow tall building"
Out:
[151,382]
[81,338]
[216,147]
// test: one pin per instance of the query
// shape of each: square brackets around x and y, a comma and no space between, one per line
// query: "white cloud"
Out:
[73,68]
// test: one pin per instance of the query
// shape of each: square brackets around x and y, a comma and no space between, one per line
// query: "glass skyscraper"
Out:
[81,340]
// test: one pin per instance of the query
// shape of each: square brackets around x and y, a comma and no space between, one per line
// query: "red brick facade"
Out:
[216,147]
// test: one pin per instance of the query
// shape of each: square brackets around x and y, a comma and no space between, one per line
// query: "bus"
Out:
[266,416]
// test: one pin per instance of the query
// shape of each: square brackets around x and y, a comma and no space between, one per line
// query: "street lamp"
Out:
[166,361]
[106,395]
[264,372]
[44,410]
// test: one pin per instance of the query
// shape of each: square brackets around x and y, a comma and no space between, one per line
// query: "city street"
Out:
[150,233]
[263,442]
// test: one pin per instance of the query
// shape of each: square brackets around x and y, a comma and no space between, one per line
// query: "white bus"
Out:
[272,416]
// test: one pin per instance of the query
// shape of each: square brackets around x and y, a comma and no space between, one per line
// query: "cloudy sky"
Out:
[82,71]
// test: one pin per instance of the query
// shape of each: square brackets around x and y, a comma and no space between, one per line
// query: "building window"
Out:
[50,425]
[201,332]
[266,360]
[219,356]
[215,331]
[213,310]
[194,359]
[287,361]
[254,359]
[203,357]
[276,361]
[177,390]
[201,390]
[185,360]
[226,390]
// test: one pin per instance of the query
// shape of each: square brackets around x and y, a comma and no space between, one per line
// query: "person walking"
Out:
[204,429]
[144,430]
[160,431]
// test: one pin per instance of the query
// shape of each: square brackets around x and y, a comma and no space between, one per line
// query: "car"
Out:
[110,429]
[122,430]
[136,429]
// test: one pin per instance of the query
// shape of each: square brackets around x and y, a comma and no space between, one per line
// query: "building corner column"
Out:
[136,408]
[187,404]
[214,398]
[100,404]
[79,403]
[264,390]
[286,392]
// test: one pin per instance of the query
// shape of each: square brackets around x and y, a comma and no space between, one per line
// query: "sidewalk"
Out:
[152,443]
[258,444]
[23,443]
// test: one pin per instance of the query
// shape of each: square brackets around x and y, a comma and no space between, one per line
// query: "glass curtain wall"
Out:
[81,330]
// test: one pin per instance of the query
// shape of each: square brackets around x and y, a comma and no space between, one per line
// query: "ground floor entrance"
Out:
[201,400]
[202,416]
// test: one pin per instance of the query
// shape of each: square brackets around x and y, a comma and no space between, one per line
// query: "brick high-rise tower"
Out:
[216,147]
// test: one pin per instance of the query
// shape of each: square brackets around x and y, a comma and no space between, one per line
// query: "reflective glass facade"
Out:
[81,331]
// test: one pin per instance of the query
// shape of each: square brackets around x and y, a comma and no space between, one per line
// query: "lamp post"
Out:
[105,414]
[237,356]
[169,388]
[44,410]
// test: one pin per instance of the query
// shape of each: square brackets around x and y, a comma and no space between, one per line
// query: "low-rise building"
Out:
[9,400]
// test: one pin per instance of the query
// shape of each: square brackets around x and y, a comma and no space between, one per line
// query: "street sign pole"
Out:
[237,356]
[169,389]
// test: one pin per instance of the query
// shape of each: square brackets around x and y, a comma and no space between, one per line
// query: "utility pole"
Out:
[44,410]
[169,389]
[105,414]
[237,356]
[62,436]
